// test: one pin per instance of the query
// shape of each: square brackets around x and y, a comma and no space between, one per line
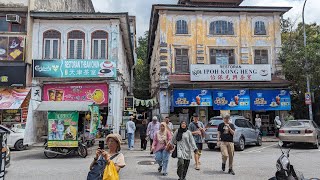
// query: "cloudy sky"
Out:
[142,9]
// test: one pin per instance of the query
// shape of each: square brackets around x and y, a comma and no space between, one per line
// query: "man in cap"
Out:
[131,128]
[153,127]
[226,132]
[197,128]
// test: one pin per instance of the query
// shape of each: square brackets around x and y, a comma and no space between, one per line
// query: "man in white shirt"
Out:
[169,124]
[131,128]
[258,121]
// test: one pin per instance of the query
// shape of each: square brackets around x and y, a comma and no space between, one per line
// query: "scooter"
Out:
[286,171]
[53,152]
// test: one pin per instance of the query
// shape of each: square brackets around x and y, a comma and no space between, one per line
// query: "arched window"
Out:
[99,45]
[51,43]
[260,28]
[221,28]
[76,44]
[182,27]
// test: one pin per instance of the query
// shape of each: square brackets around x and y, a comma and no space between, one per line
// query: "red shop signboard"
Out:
[97,93]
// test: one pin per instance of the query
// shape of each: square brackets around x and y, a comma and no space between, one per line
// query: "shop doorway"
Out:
[267,122]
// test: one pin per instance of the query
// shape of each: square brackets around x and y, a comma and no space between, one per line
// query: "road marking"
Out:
[259,150]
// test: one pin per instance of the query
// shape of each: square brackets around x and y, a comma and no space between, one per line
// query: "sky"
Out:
[142,9]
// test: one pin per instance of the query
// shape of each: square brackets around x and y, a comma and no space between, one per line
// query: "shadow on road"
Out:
[214,172]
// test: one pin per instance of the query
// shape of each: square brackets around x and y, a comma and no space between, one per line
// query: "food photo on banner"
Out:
[270,100]
[63,129]
[231,99]
[95,119]
[187,98]
[12,48]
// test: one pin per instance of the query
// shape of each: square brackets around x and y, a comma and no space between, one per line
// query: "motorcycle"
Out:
[53,152]
[286,171]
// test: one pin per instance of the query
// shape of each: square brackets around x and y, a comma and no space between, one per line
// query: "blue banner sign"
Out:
[270,100]
[231,99]
[192,98]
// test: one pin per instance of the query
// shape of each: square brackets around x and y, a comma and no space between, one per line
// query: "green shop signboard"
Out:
[63,129]
[75,68]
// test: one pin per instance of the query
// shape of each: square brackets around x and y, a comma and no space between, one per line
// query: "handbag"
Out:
[110,172]
[169,147]
[175,152]
[97,171]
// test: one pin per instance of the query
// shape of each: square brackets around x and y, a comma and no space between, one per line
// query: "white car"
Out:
[15,136]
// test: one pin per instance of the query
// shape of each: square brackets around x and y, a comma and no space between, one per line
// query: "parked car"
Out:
[15,137]
[300,131]
[245,133]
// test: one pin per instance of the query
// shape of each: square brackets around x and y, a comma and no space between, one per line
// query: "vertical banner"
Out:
[63,129]
[95,119]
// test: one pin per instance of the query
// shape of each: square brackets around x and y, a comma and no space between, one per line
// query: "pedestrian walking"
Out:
[153,127]
[225,141]
[143,135]
[104,158]
[197,128]
[169,124]
[160,148]
[258,121]
[277,124]
[131,128]
[185,145]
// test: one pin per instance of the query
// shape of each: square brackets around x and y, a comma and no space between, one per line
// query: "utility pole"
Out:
[306,60]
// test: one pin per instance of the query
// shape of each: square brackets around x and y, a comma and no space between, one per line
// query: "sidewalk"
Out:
[270,139]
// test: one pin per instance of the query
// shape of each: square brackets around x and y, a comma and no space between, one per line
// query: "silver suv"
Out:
[245,133]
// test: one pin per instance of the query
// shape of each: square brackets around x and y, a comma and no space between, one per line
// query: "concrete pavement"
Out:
[253,163]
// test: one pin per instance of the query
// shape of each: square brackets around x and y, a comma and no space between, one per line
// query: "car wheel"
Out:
[211,146]
[19,145]
[285,144]
[242,144]
[316,146]
[259,141]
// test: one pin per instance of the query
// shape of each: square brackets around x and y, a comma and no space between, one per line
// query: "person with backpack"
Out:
[104,158]
[198,129]
[184,146]
[159,147]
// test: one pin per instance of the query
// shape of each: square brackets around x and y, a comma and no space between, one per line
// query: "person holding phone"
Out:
[113,154]
[226,132]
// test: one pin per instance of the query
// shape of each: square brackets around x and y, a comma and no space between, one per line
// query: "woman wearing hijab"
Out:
[159,147]
[185,143]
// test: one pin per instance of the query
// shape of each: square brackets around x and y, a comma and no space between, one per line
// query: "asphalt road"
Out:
[253,163]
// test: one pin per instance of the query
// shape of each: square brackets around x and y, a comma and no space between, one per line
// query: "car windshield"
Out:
[298,124]
[215,122]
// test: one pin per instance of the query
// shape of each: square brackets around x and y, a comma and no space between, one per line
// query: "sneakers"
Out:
[160,169]
[231,172]
[197,167]
[165,174]
[223,167]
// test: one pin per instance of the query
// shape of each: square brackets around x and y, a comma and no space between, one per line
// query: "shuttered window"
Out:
[221,28]
[99,45]
[260,28]
[222,56]
[76,45]
[261,57]
[182,27]
[181,61]
[51,48]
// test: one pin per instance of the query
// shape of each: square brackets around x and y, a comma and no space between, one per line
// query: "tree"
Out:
[141,74]
[294,64]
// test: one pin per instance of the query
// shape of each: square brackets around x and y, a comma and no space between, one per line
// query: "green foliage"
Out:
[294,56]
[141,74]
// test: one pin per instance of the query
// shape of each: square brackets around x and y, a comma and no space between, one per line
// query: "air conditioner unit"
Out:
[13,18]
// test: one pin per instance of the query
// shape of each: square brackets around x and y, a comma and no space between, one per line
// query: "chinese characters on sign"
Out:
[213,72]
[75,68]
[129,104]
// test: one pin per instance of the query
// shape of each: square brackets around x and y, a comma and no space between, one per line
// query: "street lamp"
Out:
[306,59]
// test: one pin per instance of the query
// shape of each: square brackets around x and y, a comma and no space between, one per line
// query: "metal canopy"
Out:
[64,106]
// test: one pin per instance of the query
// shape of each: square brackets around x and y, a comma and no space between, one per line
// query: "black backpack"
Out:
[96,173]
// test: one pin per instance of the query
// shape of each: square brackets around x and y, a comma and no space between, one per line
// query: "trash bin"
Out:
[3,148]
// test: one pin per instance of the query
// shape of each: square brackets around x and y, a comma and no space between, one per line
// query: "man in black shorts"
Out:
[197,128]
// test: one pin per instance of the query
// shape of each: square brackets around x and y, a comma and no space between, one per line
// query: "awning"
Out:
[64,106]
[12,98]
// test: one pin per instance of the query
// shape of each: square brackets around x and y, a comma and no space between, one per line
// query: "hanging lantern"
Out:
[88,117]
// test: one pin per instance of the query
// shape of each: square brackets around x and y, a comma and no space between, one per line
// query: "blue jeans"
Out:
[162,158]
[130,140]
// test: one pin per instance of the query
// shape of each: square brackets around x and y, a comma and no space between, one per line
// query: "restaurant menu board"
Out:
[190,98]
[63,129]
[10,117]
[231,99]
[270,100]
